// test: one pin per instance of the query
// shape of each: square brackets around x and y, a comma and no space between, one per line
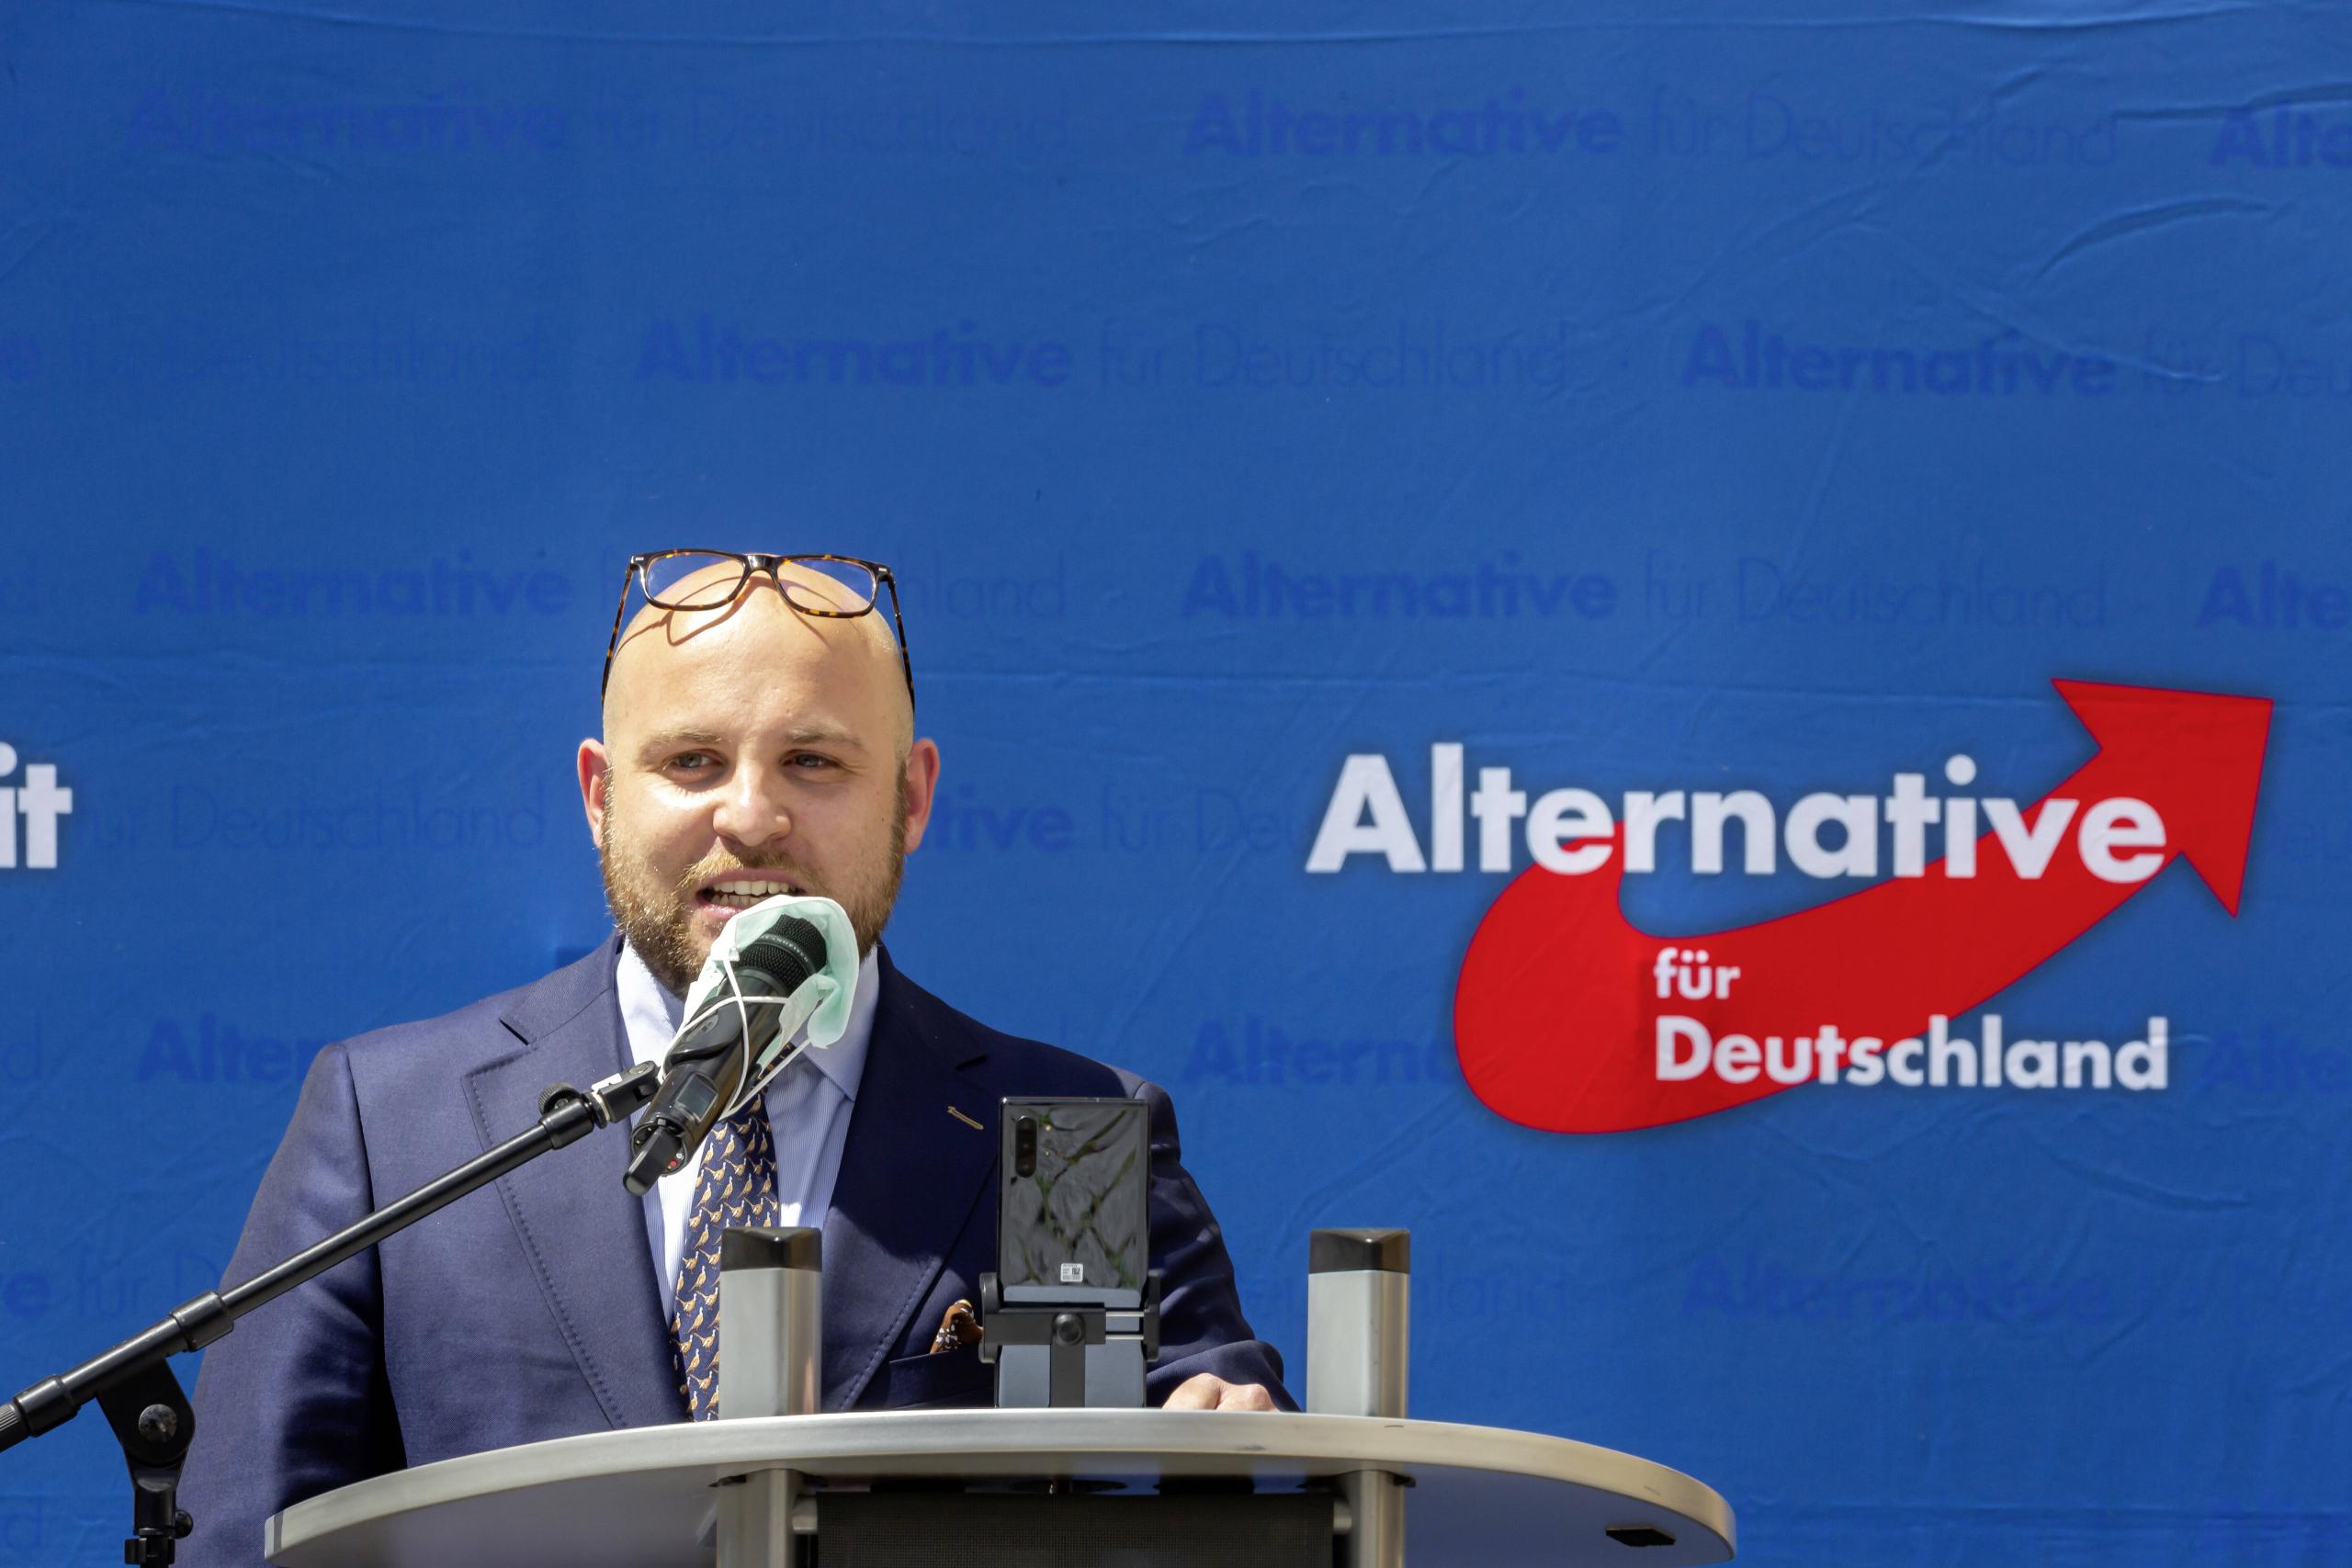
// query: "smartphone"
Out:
[1074,1226]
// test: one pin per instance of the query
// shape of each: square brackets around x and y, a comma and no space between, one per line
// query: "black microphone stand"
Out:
[134,1385]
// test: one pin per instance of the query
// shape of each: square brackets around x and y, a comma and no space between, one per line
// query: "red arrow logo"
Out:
[1556,1017]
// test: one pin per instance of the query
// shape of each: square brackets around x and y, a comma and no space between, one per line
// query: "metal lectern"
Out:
[771,1484]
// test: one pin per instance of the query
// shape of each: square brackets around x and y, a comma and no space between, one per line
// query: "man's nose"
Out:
[752,809]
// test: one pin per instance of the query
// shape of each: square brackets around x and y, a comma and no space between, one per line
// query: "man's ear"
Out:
[923,785]
[594,776]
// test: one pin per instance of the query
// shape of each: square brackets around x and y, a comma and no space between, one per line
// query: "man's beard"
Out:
[658,922]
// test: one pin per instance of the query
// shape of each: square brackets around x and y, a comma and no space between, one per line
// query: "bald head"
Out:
[759,639]
[750,748]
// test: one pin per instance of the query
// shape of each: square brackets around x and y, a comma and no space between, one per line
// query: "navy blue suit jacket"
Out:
[529,1309]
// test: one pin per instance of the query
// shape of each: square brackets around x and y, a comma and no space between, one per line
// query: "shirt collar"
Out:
[649,1015]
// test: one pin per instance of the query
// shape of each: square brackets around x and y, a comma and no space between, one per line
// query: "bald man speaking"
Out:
[758,739]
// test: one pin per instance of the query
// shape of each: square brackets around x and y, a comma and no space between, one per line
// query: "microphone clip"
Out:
[616,1099]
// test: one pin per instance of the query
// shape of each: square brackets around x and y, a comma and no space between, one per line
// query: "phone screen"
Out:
[1074,1224]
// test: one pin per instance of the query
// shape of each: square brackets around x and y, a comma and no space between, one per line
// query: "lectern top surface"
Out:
[1480,1494]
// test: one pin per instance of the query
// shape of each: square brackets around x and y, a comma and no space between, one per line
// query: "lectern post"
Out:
[770,1298]
[1357,1300]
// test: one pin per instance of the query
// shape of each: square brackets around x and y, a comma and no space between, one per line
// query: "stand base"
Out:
[1069,1355]
[1107,1377]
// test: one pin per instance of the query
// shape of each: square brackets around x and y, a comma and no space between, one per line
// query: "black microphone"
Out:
[714,1054]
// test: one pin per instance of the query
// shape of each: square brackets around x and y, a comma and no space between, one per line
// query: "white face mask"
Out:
[823,1002]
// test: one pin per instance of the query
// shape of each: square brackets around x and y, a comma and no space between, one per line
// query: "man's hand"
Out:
[1209,1392]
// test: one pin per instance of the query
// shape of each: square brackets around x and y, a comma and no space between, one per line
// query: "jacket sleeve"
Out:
[1200,1326]
[294,1402]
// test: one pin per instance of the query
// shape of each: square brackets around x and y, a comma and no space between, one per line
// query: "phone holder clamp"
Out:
[1068,1354]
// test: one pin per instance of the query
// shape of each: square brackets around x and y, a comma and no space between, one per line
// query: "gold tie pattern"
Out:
[736,1187]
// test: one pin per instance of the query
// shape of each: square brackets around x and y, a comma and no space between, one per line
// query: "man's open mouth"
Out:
[742,892]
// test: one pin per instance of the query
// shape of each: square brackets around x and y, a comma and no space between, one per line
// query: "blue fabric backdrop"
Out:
[1740,395]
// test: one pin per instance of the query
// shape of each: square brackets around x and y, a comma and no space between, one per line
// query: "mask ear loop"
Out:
[793,1052]
[744,1005]
[742,1031]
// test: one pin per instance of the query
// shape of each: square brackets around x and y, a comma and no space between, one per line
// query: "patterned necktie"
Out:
[736,1187]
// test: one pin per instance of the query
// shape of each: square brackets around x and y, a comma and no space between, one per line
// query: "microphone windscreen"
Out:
[787,953]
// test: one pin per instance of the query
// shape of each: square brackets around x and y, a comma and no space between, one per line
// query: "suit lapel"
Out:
[909,1176]
[583,1233]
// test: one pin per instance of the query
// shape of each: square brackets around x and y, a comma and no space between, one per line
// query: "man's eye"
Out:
[809,761]
[693,761]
